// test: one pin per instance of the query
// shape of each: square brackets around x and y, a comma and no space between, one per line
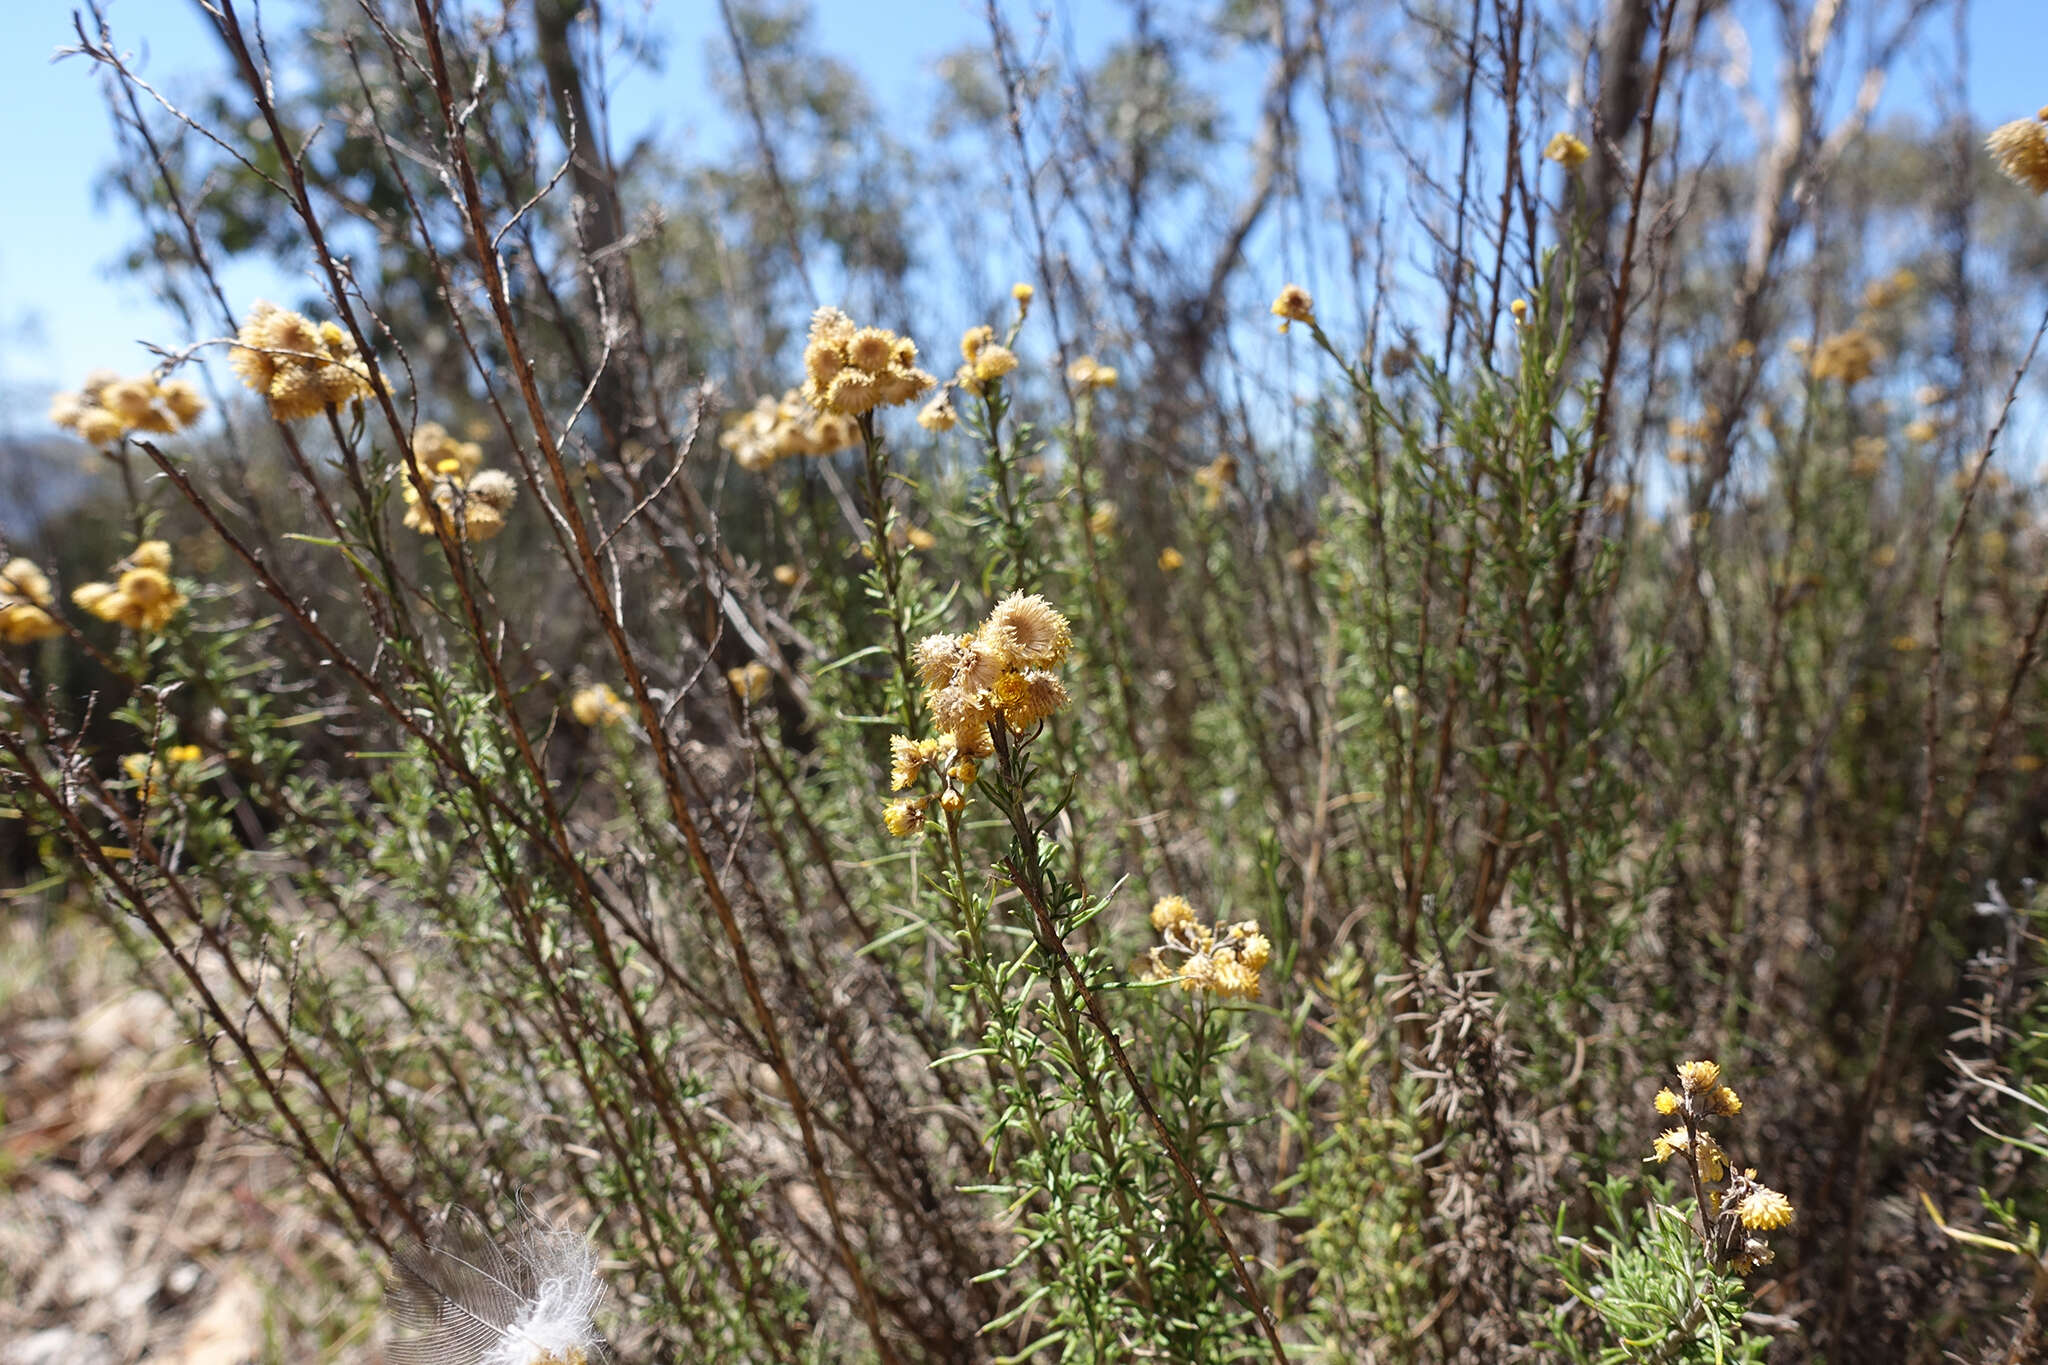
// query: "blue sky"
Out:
[64,309]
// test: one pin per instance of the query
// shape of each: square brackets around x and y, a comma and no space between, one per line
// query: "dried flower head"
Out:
[1294,304]
[1090,373]
[300,367]
[1696,1077]
[852,370]
[1763,1210]
[142,597]
[905,818]
[25,596]
[1708,1158]
[1029,696]
[1027,632]
[2021,150]
[939,414]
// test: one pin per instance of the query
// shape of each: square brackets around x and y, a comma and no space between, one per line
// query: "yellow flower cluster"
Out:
[179,763]
[1741,1208]
[466,499]
[1294,304]
[108,407]
[1003,668]
[1220,959]
[142,596]
[25,599]
[852,370]
[778,428]
[1090,373]
[598,705]
[1849,356]
[299,366]
[1567,150]
[2021,150]
[983,359]
[1000,671]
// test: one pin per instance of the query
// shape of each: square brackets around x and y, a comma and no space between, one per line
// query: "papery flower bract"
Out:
[1171,559]
[938,415]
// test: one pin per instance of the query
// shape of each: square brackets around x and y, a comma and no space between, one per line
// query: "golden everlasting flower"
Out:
[1090,373]
[25,593]
[142,597]
[1171,559]
[852,370]
[991,363]
[432,445]
[598,705]
[779,428]
[300,367]
[97,426]
[1920,431]
[908,758]
[1028,697]
[1027,633]
[750,682]
[1567,150]
[1172,912]
[1763,1210]
[785,574]
[1294,304]
[1725,1101]
[109,407]
[1695,1077]
[476,505]
[1667,1102]
[939,414]
[1849,356]
[971,741]
[1022,292]
[1711,1160]
[904,818]
[2021,150]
